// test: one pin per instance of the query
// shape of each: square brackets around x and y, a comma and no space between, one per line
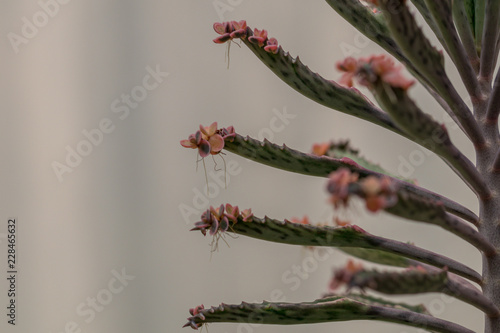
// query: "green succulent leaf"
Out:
[479,13]
[368,23]
[461,11]
[288,159]
[350,237]
[325,92]
[424,11]
[383,193]
[470,8]
[378,257]
[285,158]
[429,62]
[423,210]
[333,309]
[417,281]
[428,133]
[372,300]
[443,14]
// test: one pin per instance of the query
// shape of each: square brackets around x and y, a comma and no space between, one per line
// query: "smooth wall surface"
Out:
[95,99]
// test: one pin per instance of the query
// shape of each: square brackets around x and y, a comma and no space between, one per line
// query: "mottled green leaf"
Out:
[443,14]
[374,26]
[314,86]
[378,257]
[429,133]
[463,23]
[292,160]
[424,11]
[340,308]
[404,204]
[363,19]
[470,11]
[372,300]
[310,235]
[429,62]
[417,281]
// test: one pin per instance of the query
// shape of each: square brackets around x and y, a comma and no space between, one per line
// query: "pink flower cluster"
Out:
[197,310]
[345,275]
[304,220]
[230,30]
[209,140]
[369,70]
[338,186]
[218,219]
[234,29]
[378,192]
[320,149]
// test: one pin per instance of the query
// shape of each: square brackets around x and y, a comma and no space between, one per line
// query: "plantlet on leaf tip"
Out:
[209,141]
[469,32]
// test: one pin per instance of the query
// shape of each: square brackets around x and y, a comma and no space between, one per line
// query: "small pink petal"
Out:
[347,79]
[374,204]
[256,40]
[240,33]
[214,228]
[224,224]
[397,80]
[220,28]
[216,142]
[209,130]
[272,46]
[218,212]
[222,39]
[187,144]
[247,215]
[349,64]
[239,25]
[260,33]
[196,137]
[204,148]
[259,37]
[228,133]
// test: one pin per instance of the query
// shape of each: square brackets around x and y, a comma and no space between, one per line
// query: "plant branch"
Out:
[292,160]
[415,281]
[424,11]
[384,194]
[376,30]
[351,236]
[429,62]
[464,231]
[325,92]
[340,308]
[493,109]
[330,94]
[496,163]
[443,15]
[428,133]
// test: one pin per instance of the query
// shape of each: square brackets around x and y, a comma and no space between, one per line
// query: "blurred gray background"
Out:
[117,211]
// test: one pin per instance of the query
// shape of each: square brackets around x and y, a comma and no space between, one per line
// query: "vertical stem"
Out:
[490,214]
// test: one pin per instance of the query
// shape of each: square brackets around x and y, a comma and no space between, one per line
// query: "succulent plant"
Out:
[468,31]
